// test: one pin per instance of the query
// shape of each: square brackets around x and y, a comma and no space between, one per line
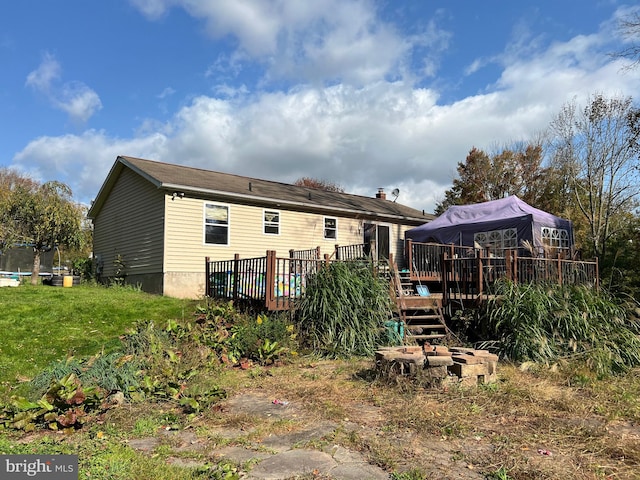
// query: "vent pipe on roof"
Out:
[249,186]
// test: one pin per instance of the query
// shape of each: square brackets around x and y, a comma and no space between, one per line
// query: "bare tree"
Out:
[630,29]
[599,147]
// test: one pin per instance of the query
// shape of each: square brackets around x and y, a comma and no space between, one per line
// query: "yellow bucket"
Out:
[67,281]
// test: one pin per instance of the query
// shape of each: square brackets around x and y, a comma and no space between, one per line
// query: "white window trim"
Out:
[204,224]
[265,223]
[324,228]
[555,235]
[491,236]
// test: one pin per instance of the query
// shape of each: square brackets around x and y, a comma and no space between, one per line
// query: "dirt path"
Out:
[281,440]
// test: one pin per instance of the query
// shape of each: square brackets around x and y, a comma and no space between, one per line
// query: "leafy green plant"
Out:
[64,405]
[500,474]
[344,309]
[269,351]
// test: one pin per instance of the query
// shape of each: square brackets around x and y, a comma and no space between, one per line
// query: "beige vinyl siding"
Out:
[131,224]
[186,250]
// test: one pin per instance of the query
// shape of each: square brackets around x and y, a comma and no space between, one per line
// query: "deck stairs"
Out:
[422,316]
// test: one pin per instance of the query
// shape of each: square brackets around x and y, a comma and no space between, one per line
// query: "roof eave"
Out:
[279,202]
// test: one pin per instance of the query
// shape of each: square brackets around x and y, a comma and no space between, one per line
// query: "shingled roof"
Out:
[229,187]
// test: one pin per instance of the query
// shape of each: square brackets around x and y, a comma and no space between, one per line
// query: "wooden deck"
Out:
[454,276]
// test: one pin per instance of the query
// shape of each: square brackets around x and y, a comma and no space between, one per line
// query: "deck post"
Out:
[236,275]
[480,273]
[507,260]
[270,284]
[515,265]
[318,253]
[445,277]
[559,270]
[207,273]
[337,251]
[409,256]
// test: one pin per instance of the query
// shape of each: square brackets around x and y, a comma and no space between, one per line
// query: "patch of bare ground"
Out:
[529,425]
[532,425]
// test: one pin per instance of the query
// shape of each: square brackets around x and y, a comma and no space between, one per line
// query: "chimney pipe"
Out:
[381,194]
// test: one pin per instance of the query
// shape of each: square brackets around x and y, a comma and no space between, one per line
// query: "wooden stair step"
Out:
[424,317]
[430,327]
[427,337]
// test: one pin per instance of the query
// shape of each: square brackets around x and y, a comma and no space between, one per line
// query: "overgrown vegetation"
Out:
[552,323]
[172,369]
[176,362]
[344,310]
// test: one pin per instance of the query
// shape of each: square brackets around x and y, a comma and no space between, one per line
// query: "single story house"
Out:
[155,223]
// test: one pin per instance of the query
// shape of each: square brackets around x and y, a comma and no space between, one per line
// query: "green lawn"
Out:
[42,324]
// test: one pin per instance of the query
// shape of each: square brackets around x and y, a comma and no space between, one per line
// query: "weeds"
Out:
[344,309]
[551,323]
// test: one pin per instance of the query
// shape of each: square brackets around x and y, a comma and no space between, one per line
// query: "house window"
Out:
[497,240]
[330,228]
[555,237]
[271,222]
[216,224]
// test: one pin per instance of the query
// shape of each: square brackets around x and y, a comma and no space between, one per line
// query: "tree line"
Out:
[585,168]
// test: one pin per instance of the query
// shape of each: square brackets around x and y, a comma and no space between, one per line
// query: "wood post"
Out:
[207,273]
[270,283]
[559,270]
[480,284]
[236,275]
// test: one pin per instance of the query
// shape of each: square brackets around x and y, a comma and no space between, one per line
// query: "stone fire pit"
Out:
[435,364]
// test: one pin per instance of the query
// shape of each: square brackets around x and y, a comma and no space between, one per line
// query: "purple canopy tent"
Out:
[460,224]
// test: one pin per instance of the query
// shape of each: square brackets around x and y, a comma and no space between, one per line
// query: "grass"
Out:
[589,423]
[42,324]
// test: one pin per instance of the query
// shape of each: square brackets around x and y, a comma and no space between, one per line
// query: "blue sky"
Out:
[363,93]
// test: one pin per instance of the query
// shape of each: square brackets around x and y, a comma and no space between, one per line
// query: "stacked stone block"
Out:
[437,363]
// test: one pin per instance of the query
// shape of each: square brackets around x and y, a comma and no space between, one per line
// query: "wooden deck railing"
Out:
[310,254]
[350,252]
[460,272]
[274,281]
[469,273]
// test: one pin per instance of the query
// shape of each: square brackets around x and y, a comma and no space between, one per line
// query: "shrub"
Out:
[546,323]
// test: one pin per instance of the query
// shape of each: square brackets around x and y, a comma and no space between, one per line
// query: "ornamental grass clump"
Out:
[344,310]
[549,323]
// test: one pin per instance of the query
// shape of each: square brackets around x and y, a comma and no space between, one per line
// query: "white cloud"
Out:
[47,72]
[362,136]
[330,41]
[152,9]
[83,161]
[167,92]
[74,98]
[78,100]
